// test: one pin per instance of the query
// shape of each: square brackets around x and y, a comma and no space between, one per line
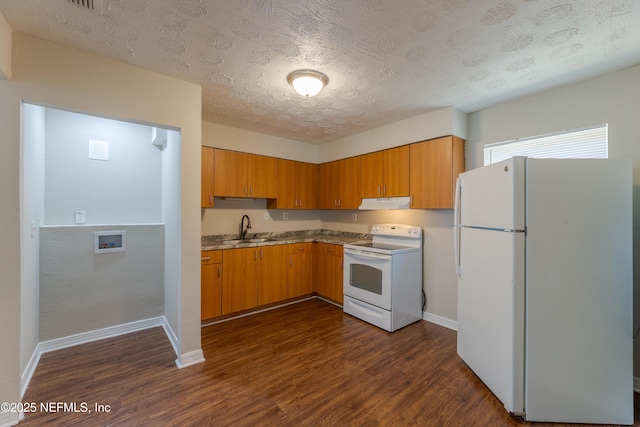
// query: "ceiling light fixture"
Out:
[307,82]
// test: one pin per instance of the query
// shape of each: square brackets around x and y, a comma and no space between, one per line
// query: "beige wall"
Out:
[5,48]
[441,122]
[220,136]
[50,74]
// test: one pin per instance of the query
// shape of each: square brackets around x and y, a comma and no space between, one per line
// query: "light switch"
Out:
[80,217]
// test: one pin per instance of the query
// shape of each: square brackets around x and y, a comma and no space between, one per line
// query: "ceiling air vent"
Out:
[92,5]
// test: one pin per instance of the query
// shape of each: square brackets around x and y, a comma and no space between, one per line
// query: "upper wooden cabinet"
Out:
[340,184]
[434,168]
[297,186]
[244,175]
[385,173]
[207,177]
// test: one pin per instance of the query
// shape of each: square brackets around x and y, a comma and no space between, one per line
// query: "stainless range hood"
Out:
[385,203]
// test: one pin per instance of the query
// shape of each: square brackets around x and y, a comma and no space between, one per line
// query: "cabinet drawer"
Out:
[299,248]
[210,257]
[329,248]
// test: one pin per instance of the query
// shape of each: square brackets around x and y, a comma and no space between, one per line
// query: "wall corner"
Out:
[6,35]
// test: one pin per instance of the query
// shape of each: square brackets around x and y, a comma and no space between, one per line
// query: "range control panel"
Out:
[401,230]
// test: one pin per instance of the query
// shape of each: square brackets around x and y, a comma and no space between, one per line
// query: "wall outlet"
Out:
[355,216]
[285,215]
[266,216]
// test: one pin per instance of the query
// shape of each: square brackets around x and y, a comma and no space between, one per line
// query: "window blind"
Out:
[586,143]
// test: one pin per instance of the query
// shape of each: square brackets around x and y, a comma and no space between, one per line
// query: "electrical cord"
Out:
[424,301]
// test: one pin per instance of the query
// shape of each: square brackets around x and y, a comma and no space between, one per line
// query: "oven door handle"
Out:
[364,254]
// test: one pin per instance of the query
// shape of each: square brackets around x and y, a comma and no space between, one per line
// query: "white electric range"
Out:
[383,279]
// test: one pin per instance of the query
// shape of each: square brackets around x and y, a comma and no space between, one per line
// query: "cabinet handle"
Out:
[300,203]
[301,249]
[251,190]
[210,199]
[207,258]
[379,192]
[384,188]
[339,202]
[255,255]
[218,272]
[261,253]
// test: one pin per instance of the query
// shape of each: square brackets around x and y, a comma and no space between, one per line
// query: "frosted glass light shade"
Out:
[307,82]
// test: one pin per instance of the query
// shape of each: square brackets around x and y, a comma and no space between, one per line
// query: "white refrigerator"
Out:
[544,262]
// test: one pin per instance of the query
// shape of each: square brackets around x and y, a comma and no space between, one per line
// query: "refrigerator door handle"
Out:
[456,227]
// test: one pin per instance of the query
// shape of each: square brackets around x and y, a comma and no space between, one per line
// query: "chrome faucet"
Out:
[243,231]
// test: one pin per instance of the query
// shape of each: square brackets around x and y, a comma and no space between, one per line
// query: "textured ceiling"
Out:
[387,60]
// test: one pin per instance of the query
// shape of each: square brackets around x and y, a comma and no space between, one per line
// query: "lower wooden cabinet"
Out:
[252,277]
[270,271]
[259,276]
[299,259]
[329,266]
[211,284]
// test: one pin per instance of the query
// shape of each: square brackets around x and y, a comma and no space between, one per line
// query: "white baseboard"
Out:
[8,419]
[28,371]
[439,320]
[189,359]
[215,322]
[100,334]
[329,301]
[173,339]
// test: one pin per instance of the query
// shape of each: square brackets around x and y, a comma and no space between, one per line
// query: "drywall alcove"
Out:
[92,175]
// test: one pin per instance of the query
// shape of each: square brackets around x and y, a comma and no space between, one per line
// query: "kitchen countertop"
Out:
[215,242]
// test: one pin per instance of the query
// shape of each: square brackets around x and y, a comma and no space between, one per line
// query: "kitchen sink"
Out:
[238,241]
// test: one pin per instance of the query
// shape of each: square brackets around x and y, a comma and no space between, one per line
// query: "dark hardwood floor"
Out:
[306,364]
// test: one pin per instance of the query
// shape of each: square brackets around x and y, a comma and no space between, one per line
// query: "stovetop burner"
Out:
[390,239]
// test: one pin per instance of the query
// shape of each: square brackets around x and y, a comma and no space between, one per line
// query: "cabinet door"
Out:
[269,275]
[300,270]
[323,276]
[336,290]
[349,183]
[307,186]
[328,185]
[230,174]
[434,168]
[239,280]
[210,284]
[372,175]
[328,271]
[211,291]
[396,172]
[207,177]
[262,177]
[286,197]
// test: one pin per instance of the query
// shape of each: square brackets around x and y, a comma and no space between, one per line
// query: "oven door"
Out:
[367,277]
